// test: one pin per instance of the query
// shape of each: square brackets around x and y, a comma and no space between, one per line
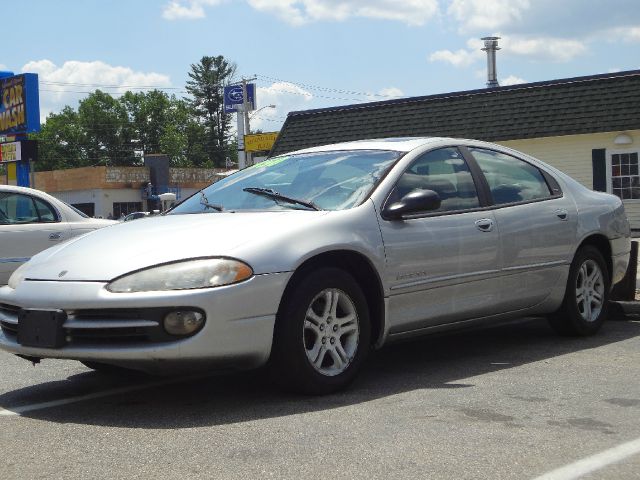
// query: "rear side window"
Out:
[510,179]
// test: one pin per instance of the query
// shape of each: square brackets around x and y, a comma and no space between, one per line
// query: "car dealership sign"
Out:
[233,97]
[19,104]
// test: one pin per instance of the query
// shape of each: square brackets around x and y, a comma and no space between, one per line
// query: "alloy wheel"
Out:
[590,290]
[331,332]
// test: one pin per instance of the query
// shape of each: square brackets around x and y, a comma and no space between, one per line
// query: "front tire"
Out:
[586,299]
[322,333]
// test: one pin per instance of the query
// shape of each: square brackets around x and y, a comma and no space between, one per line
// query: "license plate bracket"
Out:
[41,328]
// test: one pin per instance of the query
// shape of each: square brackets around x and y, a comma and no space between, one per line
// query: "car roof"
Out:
[400,144]
[28,191]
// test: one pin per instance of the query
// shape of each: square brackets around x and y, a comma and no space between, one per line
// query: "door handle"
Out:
[484,224]
[55,236]
[562,214]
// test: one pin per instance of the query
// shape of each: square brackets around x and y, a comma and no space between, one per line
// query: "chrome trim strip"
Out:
[89,324]
[505,271]
[14,260]
[416,283]
[536,266]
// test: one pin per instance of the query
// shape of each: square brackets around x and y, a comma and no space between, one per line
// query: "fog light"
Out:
[183,322]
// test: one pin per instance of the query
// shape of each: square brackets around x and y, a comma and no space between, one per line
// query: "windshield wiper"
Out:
[205,201]
[268,192]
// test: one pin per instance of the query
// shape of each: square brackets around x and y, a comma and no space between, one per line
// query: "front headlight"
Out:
[17,276]
[183,275]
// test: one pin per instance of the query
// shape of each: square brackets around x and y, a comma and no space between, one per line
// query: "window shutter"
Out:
[599,162]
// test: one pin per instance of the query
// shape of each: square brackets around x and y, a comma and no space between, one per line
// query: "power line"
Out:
[327,89]
[158,87]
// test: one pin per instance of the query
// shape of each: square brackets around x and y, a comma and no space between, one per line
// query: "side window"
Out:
[445,172]
[45,211]
[510,179]
[16,208]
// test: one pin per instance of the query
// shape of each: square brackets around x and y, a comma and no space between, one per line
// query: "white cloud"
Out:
[300,12]
[388,93]
[62,85]
[631,34]
[543,49]
[391,92]
[461,57]
[186,9]
[487,15]
[512,80]
[286,97]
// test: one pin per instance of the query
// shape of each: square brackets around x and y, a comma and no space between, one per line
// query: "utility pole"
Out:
[241,153]
[246,107]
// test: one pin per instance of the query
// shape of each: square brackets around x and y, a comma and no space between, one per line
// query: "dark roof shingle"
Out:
[598,103]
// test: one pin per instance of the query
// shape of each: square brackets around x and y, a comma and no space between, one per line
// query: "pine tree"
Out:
[206,87]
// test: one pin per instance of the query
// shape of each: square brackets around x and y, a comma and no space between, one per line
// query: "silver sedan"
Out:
[308,260]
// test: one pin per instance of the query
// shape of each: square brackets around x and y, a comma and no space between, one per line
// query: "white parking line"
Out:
[594,462]
[13,411]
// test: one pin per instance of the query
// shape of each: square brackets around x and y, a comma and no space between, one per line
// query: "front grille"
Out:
[103,326]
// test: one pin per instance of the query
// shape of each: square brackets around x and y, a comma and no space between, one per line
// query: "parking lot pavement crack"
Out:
[624,402]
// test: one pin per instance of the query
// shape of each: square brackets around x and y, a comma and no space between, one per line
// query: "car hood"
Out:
[105,254]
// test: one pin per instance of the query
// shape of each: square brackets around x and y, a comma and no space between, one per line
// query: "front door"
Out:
[442,266]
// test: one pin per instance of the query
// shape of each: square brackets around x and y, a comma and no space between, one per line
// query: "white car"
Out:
[31,221]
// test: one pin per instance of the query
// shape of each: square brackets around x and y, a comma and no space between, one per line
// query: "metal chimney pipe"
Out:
[491,46]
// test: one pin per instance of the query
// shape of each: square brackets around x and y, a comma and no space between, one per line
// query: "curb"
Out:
[619,309]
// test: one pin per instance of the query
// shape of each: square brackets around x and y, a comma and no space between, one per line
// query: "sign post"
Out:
[240,98]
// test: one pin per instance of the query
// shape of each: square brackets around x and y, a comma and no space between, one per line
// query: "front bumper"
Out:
[237,333]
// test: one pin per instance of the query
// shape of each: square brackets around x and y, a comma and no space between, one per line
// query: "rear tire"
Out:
[586,299]
[322,334]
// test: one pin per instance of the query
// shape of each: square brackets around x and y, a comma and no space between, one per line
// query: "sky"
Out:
[312,53]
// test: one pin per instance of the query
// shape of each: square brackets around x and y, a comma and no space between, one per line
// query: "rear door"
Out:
[442,266]
[537,225]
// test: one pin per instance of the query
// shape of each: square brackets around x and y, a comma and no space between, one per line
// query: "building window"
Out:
[120,209]
[86,208]
[625,177]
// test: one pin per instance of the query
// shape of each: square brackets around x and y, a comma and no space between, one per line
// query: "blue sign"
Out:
[233,97]
[19,104]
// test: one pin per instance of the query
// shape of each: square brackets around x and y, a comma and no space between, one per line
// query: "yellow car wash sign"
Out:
[259,142]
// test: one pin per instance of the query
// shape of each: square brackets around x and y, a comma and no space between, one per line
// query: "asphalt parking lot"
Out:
[509,402]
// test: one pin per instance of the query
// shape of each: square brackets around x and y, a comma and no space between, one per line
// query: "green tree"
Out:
[149,117]
[205,85]
[61,142]
[107,130]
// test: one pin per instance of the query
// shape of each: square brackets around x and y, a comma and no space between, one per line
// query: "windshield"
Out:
[322,181]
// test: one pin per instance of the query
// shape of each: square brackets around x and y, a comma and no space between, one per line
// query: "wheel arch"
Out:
[361,269]
[601,242]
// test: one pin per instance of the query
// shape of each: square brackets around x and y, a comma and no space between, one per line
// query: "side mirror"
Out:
[415,201]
